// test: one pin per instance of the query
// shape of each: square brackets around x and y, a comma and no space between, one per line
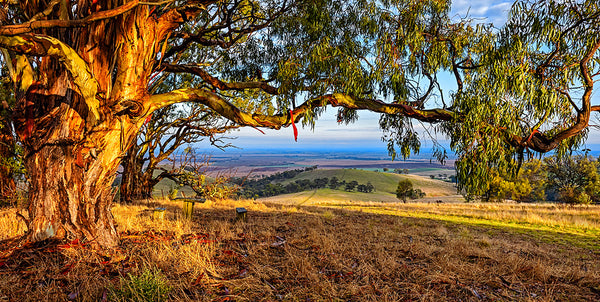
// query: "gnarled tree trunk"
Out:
[78,111]
[70,195]
[71,169]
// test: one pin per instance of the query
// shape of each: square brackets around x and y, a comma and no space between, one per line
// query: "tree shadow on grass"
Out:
[301,253]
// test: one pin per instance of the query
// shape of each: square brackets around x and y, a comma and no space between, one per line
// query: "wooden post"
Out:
[188,208]
[158,214]
[240,214]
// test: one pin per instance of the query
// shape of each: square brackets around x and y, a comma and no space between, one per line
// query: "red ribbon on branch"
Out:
[294,125]
[148,119]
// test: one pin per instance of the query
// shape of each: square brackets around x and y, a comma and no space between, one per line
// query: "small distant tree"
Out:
[292,187]
[404,190]
[321,182]
[334,183]
[370,187]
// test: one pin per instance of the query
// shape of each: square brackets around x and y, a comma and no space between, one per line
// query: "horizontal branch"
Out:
[215,82]
[276,121]
[537,141]
[27,27]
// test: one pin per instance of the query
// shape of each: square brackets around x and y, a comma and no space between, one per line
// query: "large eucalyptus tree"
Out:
[84,73]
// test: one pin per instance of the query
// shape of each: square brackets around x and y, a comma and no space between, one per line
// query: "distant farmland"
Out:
[385,187]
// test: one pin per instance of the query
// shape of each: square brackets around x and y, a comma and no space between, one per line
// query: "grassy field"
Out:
[385,187]
[383,182]
[326,251]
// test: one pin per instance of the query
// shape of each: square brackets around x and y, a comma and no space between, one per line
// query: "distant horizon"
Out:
[424,153]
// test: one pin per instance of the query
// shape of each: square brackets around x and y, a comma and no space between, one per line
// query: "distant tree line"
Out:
[570,179]
[271,185]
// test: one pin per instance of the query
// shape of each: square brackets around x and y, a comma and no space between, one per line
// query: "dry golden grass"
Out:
[312,253]
[553,215]
[10,225]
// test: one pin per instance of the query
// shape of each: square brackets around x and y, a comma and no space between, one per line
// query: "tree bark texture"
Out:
[77,112]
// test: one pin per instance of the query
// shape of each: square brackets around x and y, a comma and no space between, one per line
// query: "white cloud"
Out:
[495,11]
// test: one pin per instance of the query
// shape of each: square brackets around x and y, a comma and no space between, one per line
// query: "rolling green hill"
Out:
[385,188]
[383,182]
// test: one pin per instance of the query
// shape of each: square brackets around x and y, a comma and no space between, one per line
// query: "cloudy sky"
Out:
[365,133]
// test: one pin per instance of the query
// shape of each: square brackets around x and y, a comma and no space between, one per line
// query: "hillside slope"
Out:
[385,188]
[383,182]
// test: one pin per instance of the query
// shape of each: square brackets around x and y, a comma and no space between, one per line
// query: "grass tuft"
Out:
[149,286]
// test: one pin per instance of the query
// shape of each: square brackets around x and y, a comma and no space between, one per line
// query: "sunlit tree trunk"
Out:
[70,168]
[77,112]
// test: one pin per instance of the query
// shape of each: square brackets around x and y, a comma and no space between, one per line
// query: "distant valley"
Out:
[257,163]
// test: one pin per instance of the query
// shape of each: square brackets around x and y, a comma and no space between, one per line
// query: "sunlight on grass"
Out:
[10,224]
[359,251]
[579,225]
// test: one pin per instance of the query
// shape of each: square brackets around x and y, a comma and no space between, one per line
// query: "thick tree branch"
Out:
[229,111]
[215,82]
[27,27]
[41,45]
[538,141]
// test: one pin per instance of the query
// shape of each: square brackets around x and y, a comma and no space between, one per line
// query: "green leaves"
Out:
[511,91]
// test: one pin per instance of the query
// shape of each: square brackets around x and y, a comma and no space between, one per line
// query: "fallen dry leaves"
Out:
[307,254]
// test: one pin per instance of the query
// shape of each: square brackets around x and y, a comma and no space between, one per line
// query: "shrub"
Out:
[149,286]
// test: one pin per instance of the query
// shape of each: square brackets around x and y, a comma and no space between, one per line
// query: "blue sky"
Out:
[365,133]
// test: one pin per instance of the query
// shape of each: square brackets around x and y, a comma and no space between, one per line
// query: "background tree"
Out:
[528,186]
[573,179]
[84,74]
[533,90]
[334,183]
[168,130]
[191,170]
[350,186]
[404,190]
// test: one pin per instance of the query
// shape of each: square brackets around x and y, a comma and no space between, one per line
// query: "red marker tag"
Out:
[147,119]
[294,125]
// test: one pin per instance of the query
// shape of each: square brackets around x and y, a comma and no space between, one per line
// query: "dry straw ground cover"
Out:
[368,252]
